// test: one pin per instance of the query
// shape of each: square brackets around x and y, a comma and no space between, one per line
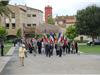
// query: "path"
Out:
[40,64]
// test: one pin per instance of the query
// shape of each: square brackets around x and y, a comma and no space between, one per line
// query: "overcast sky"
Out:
[60,7]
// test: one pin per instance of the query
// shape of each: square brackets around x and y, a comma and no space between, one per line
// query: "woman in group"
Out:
[22,52]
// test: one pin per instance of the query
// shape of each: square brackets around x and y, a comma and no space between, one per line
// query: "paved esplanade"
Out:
[40,64]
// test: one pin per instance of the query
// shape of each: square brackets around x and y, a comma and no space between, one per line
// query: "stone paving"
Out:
[40,64]
[4,59]
[3,62]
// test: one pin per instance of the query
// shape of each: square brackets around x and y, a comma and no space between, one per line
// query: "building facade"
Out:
[65,21]
[22,17]
[48,12]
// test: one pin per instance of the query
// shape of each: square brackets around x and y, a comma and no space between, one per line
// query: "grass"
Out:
[90,49]
[7,46]
[83,48]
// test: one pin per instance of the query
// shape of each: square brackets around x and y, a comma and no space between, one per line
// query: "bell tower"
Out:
[48,12]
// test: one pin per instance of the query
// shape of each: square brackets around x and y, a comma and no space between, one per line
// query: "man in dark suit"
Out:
[2,49]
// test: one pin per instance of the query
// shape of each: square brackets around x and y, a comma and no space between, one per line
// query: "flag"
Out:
[45,38]
[60,37]
[51,37]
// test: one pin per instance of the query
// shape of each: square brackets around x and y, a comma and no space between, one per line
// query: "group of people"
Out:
[49,48]
[41,46]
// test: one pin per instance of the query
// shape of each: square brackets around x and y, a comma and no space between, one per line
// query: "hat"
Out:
[23,45]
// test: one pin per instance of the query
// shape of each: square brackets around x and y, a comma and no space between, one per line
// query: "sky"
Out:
[60,7]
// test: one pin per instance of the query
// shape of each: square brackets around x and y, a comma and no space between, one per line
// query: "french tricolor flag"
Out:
[60,37]
[51,37]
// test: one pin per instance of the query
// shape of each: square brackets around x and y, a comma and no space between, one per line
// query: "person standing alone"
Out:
[22,52]
[2,49]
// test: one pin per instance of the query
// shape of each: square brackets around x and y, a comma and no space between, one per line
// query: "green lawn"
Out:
[7,46]
[90,49]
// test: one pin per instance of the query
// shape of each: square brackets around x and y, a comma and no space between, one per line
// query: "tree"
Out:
[71,32]
[19,32]
[88,21]
[4,10]
[50,20]
[3,33]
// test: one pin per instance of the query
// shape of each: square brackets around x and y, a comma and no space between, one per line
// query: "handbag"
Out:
[25,54]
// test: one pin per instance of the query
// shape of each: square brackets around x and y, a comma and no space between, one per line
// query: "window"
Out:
[34,24]
[34,15]
[29,25]
[7,25]
[13,15]
[28,15]
[13,25]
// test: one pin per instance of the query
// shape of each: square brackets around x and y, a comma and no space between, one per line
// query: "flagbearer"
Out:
[51,47]
[56,46]
[61,48]
[51,43]
[60,43]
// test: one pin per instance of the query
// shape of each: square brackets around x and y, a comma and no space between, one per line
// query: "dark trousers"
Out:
[39,50]
[60,51]
[57,52]
[76,50]
[68,47]
[51,51]
[30,50]
[2,52]
[48,52]
[64,48]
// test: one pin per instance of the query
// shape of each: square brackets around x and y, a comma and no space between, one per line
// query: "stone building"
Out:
[65,21]
[22,17]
